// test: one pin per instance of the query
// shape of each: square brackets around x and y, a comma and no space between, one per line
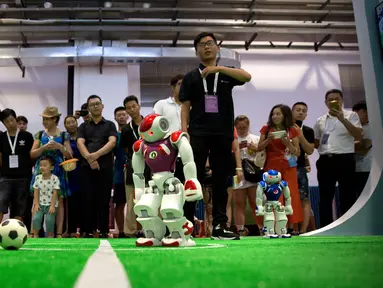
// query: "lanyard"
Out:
[327,124]
[134,133]
[13,146]
[215,83]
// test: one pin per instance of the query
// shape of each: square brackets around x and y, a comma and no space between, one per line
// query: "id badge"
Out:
[211,104]
[325,138]
[13,161]
[291,159]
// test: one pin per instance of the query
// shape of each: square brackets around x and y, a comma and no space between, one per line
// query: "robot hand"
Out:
[289,210]
[192,190]
[260,211]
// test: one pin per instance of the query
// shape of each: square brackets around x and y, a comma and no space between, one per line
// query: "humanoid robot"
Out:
[274,213]
[159,150]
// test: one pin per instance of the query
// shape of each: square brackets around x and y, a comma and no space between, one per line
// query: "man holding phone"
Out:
[306,143]
[335,134]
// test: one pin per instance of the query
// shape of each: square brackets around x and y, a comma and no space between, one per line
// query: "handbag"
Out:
[251,172]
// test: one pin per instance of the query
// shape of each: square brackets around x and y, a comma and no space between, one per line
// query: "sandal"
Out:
[59,236]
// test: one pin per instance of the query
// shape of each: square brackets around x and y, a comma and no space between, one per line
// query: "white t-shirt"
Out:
[340,141]
[363,162]
[171,110]
[244,142]
[46,187]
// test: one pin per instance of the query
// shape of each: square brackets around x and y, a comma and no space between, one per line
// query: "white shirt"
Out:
[46,187]
[244,143]
[340,140]
[363,162]
[171,110]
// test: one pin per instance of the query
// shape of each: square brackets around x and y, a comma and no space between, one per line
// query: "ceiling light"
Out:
[107,4]
[48,5]
[4,6]
[146,5]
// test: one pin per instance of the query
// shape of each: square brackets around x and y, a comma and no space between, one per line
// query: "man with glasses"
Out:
[207,113]
[96,140]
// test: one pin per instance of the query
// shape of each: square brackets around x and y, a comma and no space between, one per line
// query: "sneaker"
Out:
[223,234]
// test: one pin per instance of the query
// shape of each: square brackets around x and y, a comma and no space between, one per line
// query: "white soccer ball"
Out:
[13,234]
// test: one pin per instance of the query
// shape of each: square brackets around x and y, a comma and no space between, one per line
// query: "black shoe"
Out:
[87,235]
[223,234]
[140,234]
[123,235]
[103,235]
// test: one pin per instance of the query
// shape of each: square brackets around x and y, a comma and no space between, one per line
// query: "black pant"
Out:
[331,169]
[189,207]
[74,211]
[218,148]
[97,188]
[360,182]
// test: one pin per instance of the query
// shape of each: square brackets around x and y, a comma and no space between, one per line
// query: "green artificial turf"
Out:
[49,268]
[251,262]
[261,263]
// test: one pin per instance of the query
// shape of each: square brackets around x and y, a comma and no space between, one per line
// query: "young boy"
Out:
[46,189]
[22,123]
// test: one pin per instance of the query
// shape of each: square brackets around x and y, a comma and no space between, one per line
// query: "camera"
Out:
[83,113]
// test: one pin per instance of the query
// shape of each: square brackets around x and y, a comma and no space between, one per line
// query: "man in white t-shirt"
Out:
[363,153]
[171,109]
[335,134]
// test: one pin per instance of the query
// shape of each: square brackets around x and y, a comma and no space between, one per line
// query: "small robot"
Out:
[273,211]
[159,150]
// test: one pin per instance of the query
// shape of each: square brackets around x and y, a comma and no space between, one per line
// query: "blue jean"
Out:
[303,183]
[50,219]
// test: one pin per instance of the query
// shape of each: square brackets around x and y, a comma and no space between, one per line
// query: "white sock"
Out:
[240,227]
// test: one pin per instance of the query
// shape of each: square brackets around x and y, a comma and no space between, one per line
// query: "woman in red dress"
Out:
[282,153]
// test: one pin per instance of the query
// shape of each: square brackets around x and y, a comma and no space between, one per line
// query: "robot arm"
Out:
[259,200]
[193,189]
[286,195]
[138,165]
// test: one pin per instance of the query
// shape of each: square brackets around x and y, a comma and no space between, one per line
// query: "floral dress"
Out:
[43,137]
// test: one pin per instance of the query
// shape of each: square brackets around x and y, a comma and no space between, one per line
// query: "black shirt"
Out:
[23,148]
[202,123]
[128,137]
[309,135]
[97,136]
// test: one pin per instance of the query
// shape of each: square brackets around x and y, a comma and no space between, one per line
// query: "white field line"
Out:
[103,269]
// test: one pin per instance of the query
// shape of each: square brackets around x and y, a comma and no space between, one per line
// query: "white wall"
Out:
[41,87]
[113,85]
[286,77]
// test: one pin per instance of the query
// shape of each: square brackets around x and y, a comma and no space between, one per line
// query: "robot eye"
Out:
[164,124]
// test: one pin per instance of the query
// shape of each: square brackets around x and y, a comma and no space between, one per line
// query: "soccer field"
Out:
[250,262]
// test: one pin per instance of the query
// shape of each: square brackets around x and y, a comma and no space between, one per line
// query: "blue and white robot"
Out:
[274,213]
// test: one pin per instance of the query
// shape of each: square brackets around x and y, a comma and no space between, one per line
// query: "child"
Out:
[46,187]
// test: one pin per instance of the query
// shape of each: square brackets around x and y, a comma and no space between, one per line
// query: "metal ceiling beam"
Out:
[24,39]
[174,44]
[123,28]
[156,10]
[248,43]
[21,66]
[324,40]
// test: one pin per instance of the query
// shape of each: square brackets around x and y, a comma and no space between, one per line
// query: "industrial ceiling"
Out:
[249,24]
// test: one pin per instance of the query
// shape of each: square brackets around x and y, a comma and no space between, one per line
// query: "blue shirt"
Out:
[119,162]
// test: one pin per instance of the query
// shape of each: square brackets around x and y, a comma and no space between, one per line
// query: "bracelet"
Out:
[238,169]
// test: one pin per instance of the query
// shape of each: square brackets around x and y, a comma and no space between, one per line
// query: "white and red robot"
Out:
[159,150]
[273,212]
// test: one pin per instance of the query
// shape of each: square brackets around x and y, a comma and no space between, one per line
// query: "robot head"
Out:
[272,176]
[153,128]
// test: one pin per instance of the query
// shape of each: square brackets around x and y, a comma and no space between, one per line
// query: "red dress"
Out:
[275,160]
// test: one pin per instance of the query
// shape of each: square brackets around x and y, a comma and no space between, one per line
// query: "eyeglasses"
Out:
[94,105]
[209,43]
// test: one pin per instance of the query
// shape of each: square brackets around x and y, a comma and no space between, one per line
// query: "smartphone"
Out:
[83,113]
[299,123]
[334,104]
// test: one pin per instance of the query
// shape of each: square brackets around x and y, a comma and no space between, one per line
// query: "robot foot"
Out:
[270,236]
[171,242]
[285,236]
[147,242]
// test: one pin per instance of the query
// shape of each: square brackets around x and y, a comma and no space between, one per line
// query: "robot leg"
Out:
[268,222]
[281,222]
[172,212]
[146,210]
